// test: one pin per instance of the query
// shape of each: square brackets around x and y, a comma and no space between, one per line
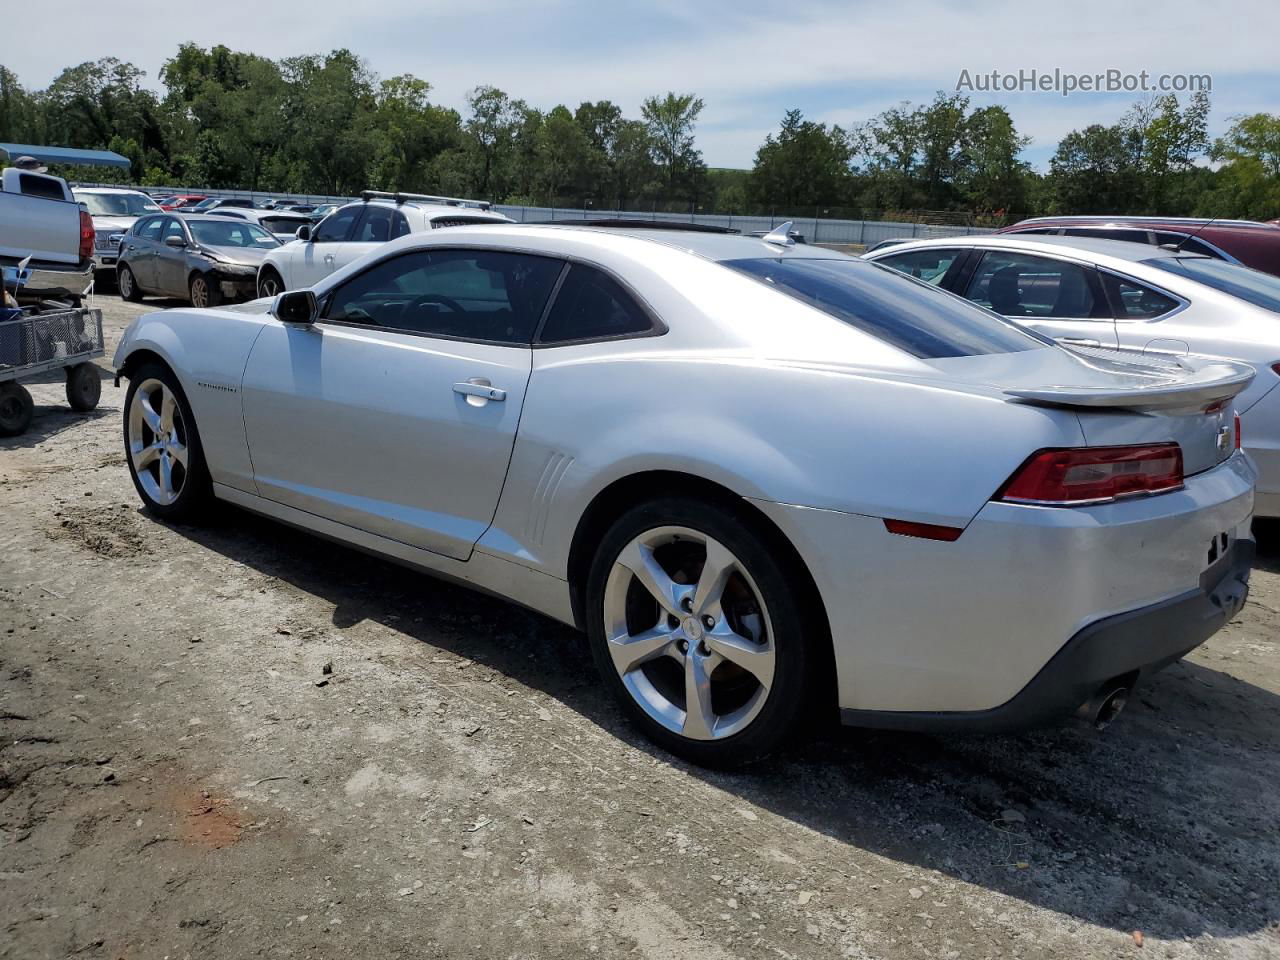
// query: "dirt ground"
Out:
[180,777]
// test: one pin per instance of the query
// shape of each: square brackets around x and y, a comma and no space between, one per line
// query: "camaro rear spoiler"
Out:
[1189,382]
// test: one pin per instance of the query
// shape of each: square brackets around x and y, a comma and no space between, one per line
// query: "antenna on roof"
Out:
[1177,248]
[780,235]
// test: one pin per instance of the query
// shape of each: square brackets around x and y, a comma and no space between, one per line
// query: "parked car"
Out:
[205,260]
[766,478]
[355,229]
[42,223]
[1248,242]
[318,213]
[114,211]
[181,202]
[213,203]
[1108,293]
[283,224]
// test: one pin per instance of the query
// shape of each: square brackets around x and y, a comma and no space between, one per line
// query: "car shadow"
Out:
[1164,823]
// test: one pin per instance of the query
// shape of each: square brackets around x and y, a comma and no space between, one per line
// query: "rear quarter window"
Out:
[904,312]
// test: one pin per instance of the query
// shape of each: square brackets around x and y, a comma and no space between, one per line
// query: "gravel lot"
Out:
[179,777]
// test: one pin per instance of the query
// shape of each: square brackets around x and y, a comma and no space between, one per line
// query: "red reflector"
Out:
[1084,475]
[1238,431]
[930,531]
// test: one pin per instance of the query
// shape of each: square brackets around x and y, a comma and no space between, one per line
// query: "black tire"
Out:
[84,387]
[212,293]
[16,409]
[270,283]
[794,632]
[195,501]
[127,284]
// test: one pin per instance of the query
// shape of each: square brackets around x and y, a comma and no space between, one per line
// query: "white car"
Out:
[1111,293]
[113,211]
[351,231]
[766,479]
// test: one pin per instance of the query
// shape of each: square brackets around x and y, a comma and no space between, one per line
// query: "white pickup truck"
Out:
[41,219]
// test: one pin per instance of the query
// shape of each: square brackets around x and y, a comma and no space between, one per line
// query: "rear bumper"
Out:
[1132,645]
[57,282]
[928,627]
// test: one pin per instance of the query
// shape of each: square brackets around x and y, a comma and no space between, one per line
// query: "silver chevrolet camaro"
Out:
[768,480]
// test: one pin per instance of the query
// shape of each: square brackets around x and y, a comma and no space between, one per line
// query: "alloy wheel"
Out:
[271,285]
[158,441]
[688,633]
[199,292]
[126,283]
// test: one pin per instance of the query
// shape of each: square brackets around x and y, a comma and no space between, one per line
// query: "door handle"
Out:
[480,389]
[1081,341]
[328,258]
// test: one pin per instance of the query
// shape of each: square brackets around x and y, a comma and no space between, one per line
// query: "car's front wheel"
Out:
[269,282]
[203,292]
[699,630]
[128,285]
[163,447]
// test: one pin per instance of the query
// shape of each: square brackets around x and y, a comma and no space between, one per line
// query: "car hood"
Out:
[113,223]
[246,256]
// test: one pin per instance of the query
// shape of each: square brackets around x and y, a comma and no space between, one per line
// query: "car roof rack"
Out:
[367,195]
[634,223]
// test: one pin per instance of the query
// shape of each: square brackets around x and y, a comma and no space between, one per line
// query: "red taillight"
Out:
[930,531]
[86,235]
[1087,475]
[1238,431]
[1275,368]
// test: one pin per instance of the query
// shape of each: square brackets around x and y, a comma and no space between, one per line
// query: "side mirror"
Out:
[174,242]
[295,306]
[304,233]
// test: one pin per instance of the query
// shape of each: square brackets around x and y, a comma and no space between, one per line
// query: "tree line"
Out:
[327,124]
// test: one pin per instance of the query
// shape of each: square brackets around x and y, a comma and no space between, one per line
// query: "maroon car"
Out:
[1248,242]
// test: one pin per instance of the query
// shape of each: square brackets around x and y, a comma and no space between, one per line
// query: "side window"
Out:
[376,225]
[1133,301]
[172,228]
[336,225]
[399,225]
[927,265]
[1019,285]
[1189,244]
[591,304]
[1109,233]
[149,228]
[462,294]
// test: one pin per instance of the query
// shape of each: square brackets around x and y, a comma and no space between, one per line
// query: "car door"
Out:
[1060,298]
[930,264]
[318,257]
[171,261]
[396,412]
[377,224]
[139,250]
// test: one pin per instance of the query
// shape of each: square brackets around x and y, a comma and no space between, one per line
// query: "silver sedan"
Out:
[770,482]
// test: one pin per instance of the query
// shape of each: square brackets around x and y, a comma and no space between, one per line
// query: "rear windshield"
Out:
[909,314]
[1254,286]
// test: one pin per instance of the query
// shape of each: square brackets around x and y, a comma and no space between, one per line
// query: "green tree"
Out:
[806,164]
[671,121]
[995,179]
[1248,183]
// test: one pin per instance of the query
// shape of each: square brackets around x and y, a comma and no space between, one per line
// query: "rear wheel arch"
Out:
[607,506]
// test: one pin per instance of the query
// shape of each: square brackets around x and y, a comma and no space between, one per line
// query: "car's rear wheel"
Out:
[16,409]
[269,282]
[699,631]
[163,447]
[203,292]
[128,285]
[84,387]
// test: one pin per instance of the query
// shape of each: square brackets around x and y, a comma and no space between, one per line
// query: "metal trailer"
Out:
[36,340]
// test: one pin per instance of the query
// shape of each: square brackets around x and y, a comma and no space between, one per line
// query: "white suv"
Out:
[357,228]
[113,211]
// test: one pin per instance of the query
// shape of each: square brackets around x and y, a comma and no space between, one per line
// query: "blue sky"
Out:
[749,60]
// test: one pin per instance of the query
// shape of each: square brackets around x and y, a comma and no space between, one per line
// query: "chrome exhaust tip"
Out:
[1101,710]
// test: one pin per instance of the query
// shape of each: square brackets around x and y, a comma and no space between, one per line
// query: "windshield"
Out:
[284,225]
[906,313]
[1253,286]
[118,204]
[232,233]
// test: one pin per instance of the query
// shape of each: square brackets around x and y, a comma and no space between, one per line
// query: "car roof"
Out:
[1100,220]
[1124,250]
[108,190]
[712,246]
